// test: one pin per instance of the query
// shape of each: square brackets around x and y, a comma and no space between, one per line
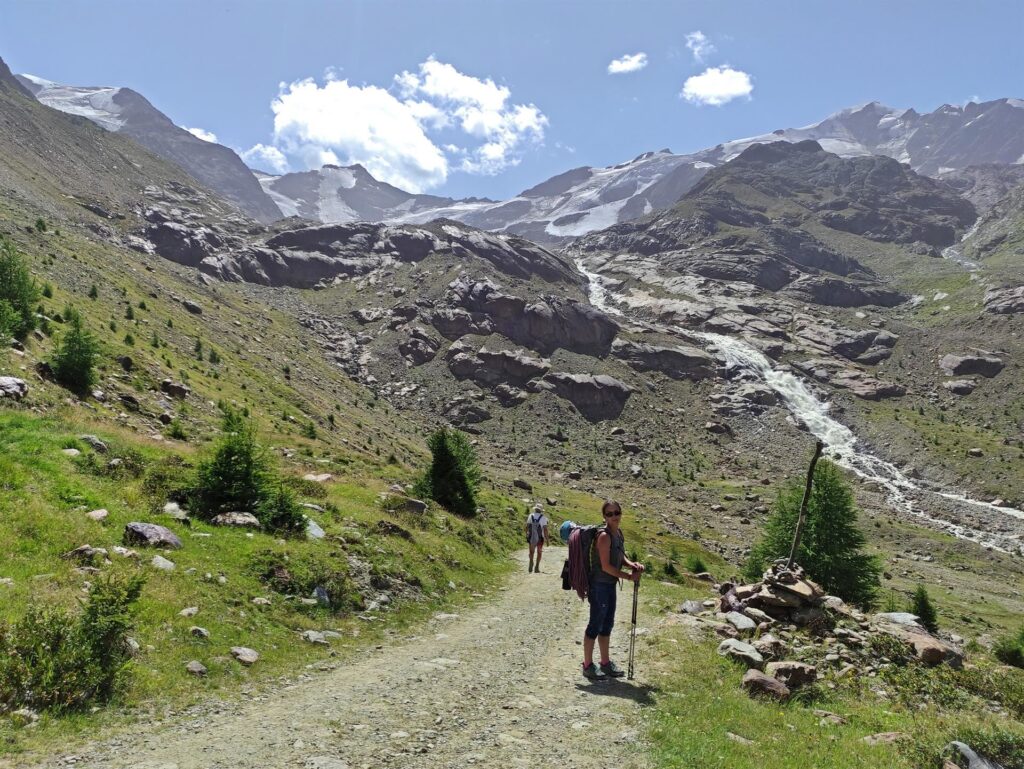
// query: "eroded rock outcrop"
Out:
[677,361]
[596,397]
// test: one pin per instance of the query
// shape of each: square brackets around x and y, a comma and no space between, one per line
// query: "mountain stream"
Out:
[840,442]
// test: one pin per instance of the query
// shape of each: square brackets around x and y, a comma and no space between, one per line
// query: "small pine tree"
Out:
[18,290]
[921,606]
[40,225]
[831,548]
[453,476]
[129,313]
[198,349]
[129,339]
[74,362]
[234,478]
[214,357]
[94,293]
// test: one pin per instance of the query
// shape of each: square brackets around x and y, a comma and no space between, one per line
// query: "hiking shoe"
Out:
[594,673]
[613,670]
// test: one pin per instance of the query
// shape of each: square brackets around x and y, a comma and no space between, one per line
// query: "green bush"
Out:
[831,548]
[51,660]
[18,291]
[453,477]
[695,565]
[239,477]
[921,605]
[300,573]
[1010,649]
[74,362]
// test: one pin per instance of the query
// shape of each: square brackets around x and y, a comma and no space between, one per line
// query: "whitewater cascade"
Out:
[840,442]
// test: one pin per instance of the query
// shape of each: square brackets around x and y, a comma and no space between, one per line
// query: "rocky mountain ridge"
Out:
[129,113]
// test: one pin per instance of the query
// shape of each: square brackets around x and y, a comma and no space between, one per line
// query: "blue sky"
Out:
[488,97]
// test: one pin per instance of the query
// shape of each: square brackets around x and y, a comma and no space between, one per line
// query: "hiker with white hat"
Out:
[536,535]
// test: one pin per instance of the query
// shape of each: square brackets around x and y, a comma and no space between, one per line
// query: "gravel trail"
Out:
[498,685]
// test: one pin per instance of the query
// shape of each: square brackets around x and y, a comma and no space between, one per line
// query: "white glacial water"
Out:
[841,444]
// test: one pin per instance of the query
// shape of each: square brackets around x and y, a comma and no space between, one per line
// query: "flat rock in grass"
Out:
[828,718]
[261,601]
[70,452]
[243,520]
[315,637]
[159,562]
[416,506]
[199,632]
[97,515]
[95,442]
[741,652]
[189,611]
[691,607]
[792,674]
[313,530]
[741,622]
[885,738]
[196,668]
[757,684]
[150,535]
[317,477]
[245,655]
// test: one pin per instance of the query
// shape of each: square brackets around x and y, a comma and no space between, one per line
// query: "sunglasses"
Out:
[616,514]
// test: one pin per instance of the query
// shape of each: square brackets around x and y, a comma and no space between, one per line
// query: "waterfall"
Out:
[840,442]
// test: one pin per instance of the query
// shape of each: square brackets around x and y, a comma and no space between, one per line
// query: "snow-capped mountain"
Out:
[573,203]
[127,112]
[586,199]
[935,143]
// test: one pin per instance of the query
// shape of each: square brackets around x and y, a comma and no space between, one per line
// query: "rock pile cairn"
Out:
[788,632]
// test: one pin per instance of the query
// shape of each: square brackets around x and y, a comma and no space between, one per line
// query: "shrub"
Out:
[18,290]
[1010,649]
[176,431]
[831,546]
[453,476]
[236,476]
[94,293]
[695,565]
[74,362]
[300,574]
[239,476]
[921,605]
[51,660]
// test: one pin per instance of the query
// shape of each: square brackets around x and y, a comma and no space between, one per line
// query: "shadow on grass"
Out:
[641,694]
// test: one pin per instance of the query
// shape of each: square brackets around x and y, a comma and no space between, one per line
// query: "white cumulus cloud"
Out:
[265,158]
[700,46]
[717,86]
[631,62]
[429,122]
[342,123]
[480,108]
[206,136]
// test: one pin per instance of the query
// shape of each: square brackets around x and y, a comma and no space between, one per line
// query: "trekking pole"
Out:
[818,447]
[632,632]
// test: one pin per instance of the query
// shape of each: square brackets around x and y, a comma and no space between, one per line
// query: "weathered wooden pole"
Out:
[818,448]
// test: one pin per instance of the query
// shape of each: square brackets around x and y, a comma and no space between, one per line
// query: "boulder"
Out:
[742,623]
[175,389]
[420,347]
[741,652]
[758,684]
[245,655]
[676,362]
[792,674]
[196,668]
[13,388]
[245,520]
[95,443]
[960,386]
[150,535]
[1005,301]
[315,637]
[770,647]
[526,486]
[597,398]
[161,563]
[983,365]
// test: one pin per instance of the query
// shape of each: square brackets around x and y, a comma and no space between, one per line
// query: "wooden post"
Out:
[803,504]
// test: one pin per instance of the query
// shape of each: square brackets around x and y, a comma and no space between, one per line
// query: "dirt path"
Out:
[497,686]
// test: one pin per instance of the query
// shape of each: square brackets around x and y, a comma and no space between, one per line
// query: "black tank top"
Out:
[616,557]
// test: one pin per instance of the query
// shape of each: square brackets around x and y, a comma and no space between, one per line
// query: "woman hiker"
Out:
[606,571]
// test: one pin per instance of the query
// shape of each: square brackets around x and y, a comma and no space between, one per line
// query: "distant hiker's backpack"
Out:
[579,564]
[536,529]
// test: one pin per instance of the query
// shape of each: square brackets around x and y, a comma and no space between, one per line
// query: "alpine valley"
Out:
[675,331]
